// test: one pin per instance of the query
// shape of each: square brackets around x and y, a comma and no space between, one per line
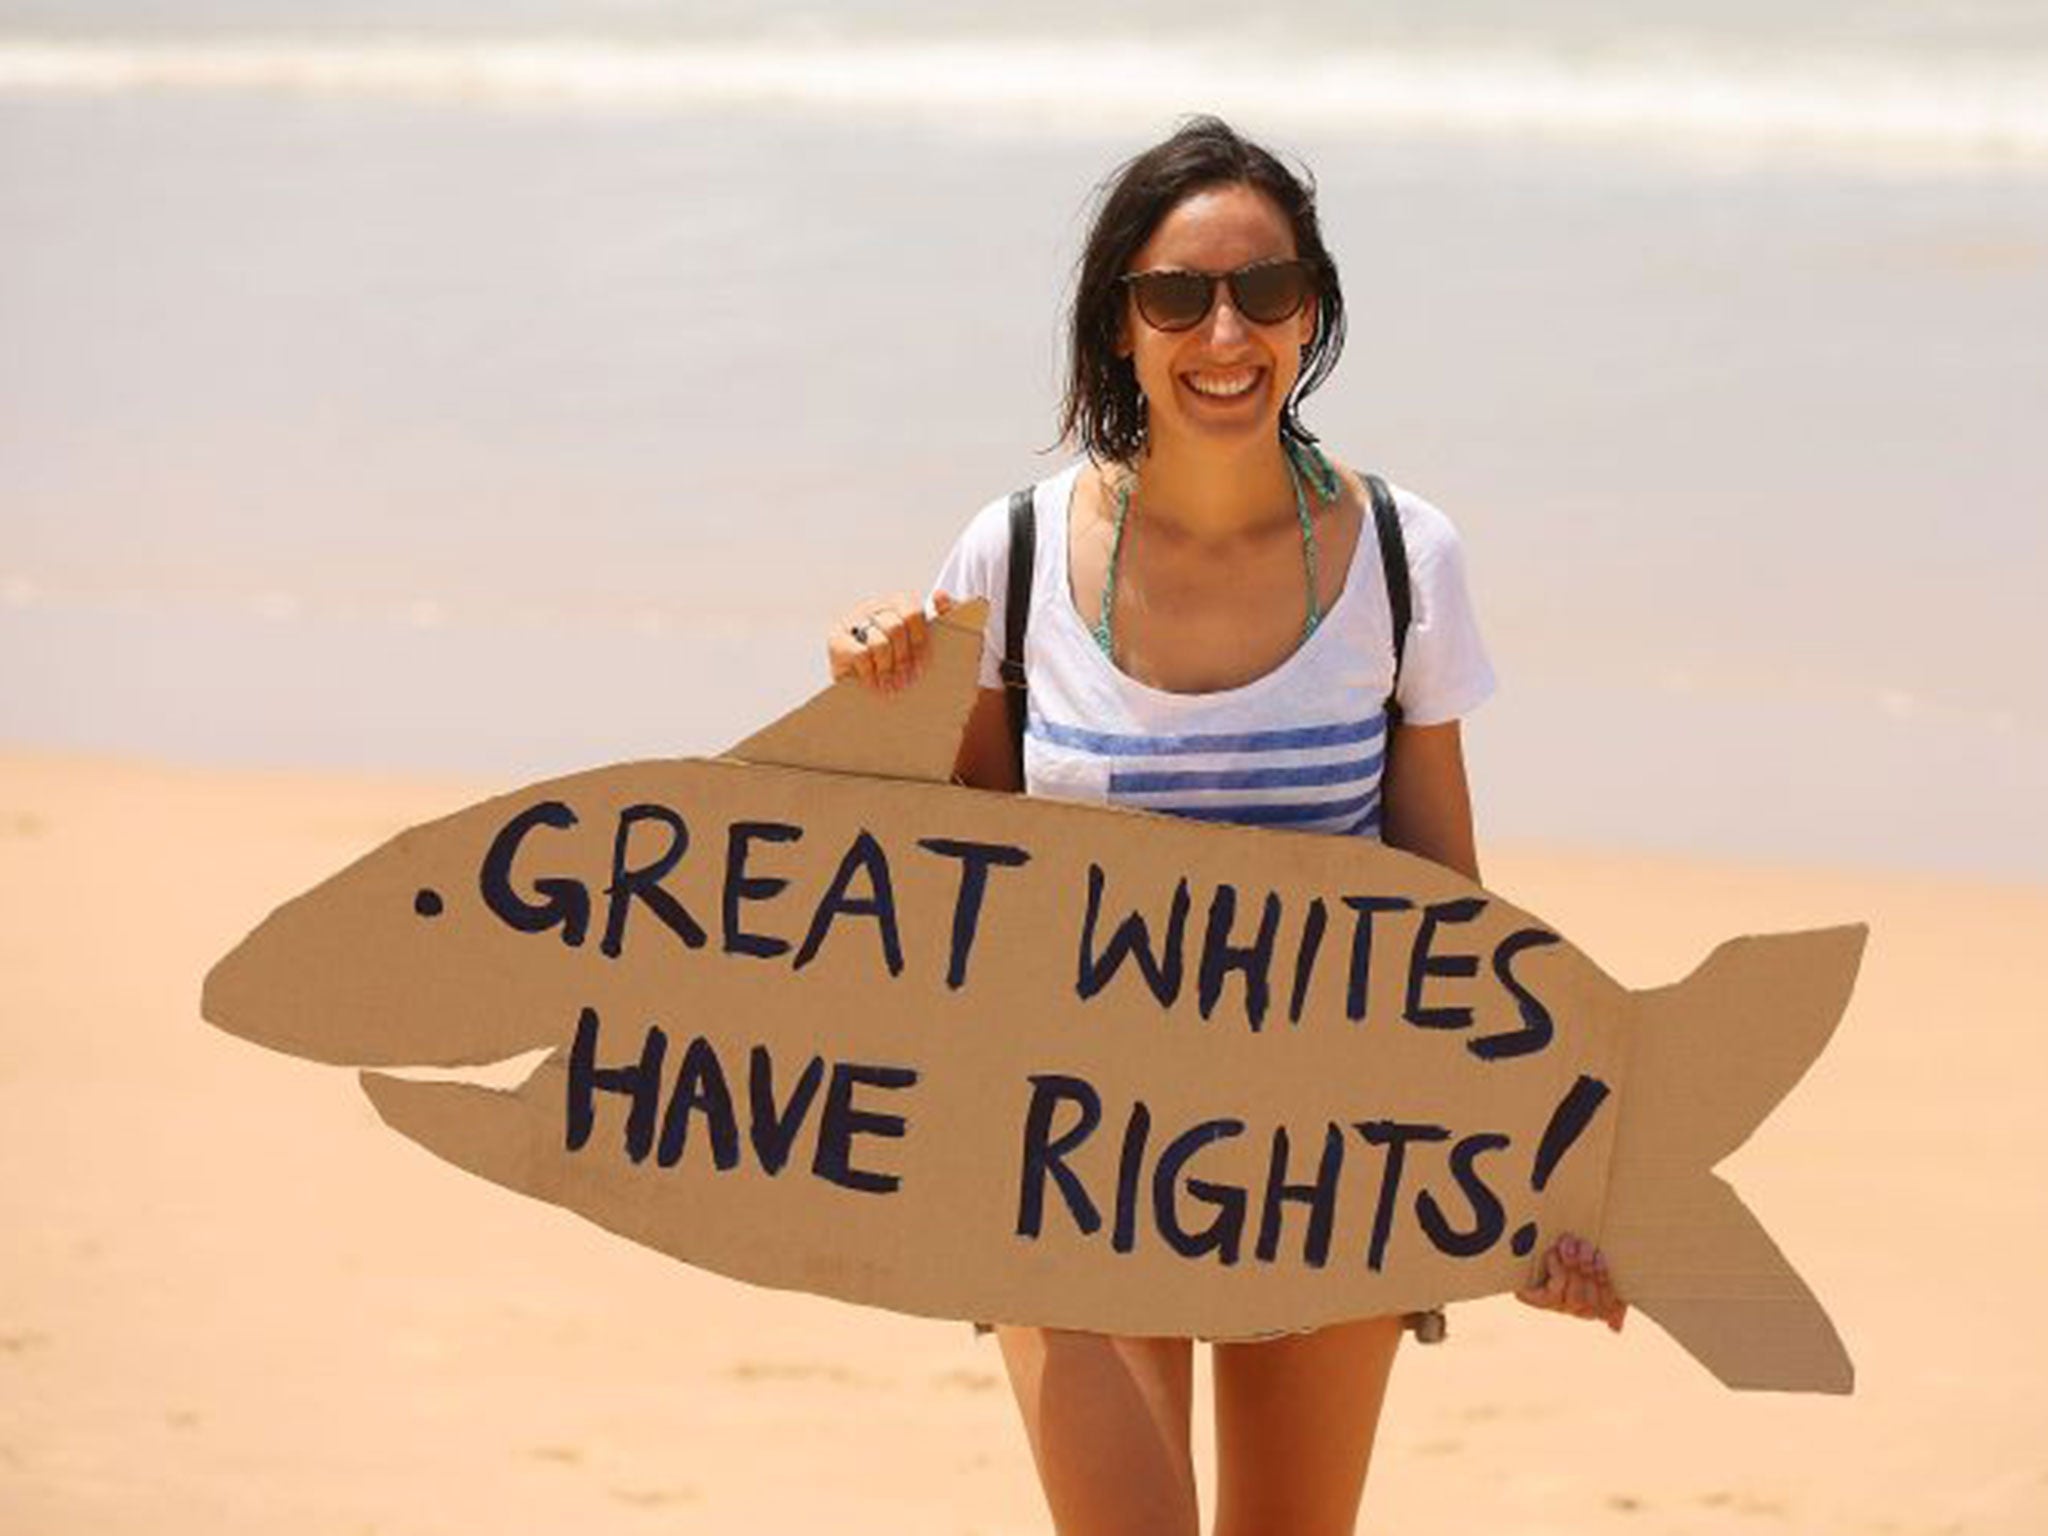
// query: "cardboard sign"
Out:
[816,1018]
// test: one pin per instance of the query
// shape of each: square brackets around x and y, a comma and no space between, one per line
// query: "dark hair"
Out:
[1103,411]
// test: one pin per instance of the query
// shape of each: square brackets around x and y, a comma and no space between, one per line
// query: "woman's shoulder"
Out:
[994,515]
[980,556]
[1426,529]
[987,533]
[979,562]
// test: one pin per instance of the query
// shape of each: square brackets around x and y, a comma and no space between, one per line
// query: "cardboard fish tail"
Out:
[1687,1250]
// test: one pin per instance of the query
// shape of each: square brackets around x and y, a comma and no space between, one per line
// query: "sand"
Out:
[231,1302]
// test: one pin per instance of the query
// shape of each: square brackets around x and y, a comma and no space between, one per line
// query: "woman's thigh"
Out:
[1295,1419]
[1107,1419]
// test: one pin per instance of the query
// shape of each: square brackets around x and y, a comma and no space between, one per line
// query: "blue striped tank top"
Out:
[1300,748]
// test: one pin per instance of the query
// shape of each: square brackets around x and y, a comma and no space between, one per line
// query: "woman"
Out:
[1206,572]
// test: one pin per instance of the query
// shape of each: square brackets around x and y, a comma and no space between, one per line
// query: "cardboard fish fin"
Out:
[1711,1277]
[850,728]
[1712,1057]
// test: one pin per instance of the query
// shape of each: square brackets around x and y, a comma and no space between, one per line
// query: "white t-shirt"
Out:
[1299,748]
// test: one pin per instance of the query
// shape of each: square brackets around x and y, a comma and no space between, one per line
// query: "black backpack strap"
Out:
[1428,1326]
[1017,614]
[1386,519]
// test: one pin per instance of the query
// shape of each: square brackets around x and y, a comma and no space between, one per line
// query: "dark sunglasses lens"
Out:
[1172,301]
[1271,292]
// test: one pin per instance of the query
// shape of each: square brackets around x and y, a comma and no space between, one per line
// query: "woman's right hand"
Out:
[1575,1281]
[883,642]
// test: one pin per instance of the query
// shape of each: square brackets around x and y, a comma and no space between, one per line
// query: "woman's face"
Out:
[1227,378]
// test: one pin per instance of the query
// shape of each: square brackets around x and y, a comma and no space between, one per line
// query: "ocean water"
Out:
[506,390]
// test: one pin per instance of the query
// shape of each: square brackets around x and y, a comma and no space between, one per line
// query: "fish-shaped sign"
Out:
[816,1018]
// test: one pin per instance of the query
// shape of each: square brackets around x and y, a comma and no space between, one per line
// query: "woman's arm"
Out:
[1426,808]
[987,759]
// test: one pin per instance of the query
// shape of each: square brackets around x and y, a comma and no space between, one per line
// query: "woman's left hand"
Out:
[1575,1280]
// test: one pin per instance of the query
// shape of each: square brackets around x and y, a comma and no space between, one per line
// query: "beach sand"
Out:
[232,1302]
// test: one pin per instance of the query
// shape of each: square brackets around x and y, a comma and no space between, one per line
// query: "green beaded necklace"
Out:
[1306,466]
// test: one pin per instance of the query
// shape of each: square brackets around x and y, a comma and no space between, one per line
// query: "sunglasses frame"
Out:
[1134,282]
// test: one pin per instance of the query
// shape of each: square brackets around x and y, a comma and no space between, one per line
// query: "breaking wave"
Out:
[1975,110]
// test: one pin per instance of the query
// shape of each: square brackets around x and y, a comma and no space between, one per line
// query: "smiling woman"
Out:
[1223,623]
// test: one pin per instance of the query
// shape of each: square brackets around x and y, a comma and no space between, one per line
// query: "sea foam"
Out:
[1969,110]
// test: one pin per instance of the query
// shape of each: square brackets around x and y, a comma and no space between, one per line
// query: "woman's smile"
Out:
[1224,384]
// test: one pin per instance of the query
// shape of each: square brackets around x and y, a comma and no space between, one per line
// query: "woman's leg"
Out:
[1108,1423]
[1295,1419]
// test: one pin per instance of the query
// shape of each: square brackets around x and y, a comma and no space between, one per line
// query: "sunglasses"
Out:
[1265,293]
